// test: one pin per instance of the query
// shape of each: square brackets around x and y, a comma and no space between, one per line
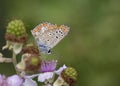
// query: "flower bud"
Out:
[69,75]
[29,63]
[16,31]
[32,63]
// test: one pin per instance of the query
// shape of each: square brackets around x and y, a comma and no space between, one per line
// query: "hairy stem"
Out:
[6,60]
[14,61]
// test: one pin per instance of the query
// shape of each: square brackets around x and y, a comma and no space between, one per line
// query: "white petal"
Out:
[45,76]
[31,76]
[14,80]
[29,82]
[17,47]
[61,69]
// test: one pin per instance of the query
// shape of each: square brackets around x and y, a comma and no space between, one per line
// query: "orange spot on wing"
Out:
[44,24]
[64,28]
[39,27]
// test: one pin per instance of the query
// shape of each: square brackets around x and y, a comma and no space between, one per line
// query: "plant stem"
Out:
[6,60]
[15,61]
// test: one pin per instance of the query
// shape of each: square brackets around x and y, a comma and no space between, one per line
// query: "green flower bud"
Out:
[16,31]
[32,63]
[71,72]
[29,63]
[17,27]
[69,75]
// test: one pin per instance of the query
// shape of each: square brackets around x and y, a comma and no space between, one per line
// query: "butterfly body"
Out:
[48,35]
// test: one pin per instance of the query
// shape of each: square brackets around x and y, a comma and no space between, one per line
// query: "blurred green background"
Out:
[93,44]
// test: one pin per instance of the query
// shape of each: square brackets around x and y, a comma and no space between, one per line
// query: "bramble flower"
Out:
[3,80]
[67,77]
[29,63]
[14,80]
[15,36]
[48,66]
[45,76]
[29,82]
[47,69]
[58,72]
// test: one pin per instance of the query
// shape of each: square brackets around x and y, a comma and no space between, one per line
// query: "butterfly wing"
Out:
[56,35]
[41,28]
[38,30]
[39,33]
[48,35]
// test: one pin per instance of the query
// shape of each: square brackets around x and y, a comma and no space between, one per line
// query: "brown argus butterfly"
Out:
[48,35]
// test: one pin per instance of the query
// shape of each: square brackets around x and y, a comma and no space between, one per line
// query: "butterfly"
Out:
[48,35]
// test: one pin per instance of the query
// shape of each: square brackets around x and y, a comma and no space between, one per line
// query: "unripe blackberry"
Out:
[16,31]
[32,63]
[16,27]
[29,63]
[69,75]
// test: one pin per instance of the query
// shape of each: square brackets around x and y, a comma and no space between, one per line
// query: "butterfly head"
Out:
[44,49]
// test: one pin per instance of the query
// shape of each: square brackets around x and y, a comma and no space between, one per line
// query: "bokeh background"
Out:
[93,44]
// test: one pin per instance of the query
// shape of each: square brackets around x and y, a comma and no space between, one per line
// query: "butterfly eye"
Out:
[49,51]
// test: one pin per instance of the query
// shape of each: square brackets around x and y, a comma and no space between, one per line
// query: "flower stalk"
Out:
[5,60]
[14,61]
